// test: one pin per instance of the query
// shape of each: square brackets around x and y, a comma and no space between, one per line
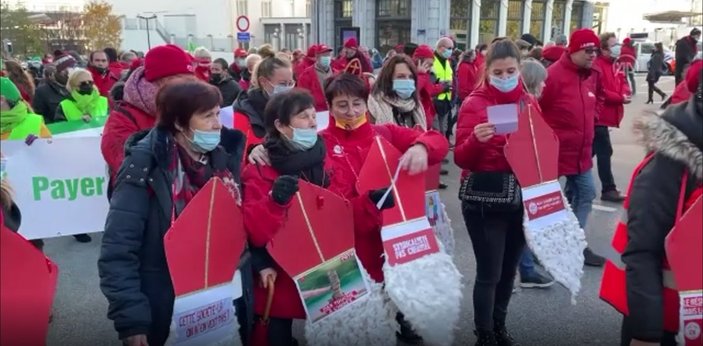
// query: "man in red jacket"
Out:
[313,78]
[569,106]
[137,111]
[101,73]
[628,58]
[616,93]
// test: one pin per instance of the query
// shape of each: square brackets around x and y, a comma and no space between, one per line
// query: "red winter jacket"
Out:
[309,80]
[681,94]
[262,219]
[249,117]
[123,121]
[103,82]
[553,53]
[472,155]
[613,87]
[468,76]
[346,154]
[302,66]
[569,107]
[428,91]
[628,56]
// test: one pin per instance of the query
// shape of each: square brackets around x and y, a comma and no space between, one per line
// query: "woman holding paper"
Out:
[84,101]
[163,170]
[495,228]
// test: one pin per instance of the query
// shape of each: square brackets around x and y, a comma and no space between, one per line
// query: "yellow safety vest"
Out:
[71,111]
[31,125]
[443,74]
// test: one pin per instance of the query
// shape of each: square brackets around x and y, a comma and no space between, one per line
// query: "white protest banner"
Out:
[323,120]
[60,185]
[205,317]
[78,128]
[227,117]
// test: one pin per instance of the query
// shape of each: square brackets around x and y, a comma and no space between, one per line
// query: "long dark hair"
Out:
[19,76]
[384,83]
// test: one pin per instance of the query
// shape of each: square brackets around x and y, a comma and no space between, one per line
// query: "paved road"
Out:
[537,317]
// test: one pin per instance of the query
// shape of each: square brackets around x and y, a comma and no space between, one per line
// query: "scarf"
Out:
[381,109]
[87,104]
[11,118]
[140,93]
[306,164]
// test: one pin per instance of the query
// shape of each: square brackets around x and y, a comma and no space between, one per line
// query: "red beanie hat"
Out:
[240,53]
[312,51]
[582,39]
[693,76]
[626,41]
[351,43]
[167,60]
[423,51]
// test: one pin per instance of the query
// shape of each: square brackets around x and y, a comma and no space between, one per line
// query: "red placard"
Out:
[204,243]
[533,151]
[432,177]
[692,317]
[320,226]
[409,190]
[28,282]
[684,249]
[411,246]
[544,205]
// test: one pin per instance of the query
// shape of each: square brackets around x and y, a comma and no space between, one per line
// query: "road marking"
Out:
[604,208]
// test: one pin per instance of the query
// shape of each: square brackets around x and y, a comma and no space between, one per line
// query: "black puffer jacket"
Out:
[134,275]
[229,90]
[251,103]
[676,138]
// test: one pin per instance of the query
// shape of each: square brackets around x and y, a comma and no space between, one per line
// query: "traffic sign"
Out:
[243,36]
[242,23]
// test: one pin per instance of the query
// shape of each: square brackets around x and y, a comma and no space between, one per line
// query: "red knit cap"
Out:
[626,41]
[312,50]
[423,51]
[693,76]
[323,48]
[167,60]
[351,43]
[582,39]
[240,53]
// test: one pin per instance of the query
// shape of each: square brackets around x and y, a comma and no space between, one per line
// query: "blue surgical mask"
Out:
[205,141]
[304,138]
[615,51]
[404,88]
[447,53]
[325,61]
[505,85]
[281,89]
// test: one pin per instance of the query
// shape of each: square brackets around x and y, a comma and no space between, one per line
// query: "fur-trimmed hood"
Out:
[677,134]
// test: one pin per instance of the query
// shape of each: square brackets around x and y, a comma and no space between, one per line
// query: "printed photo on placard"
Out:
[433,208]
[332,286]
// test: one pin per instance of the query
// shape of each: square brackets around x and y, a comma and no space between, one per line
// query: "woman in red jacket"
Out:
[295,152]
[468,74]
[496,235]
[427,90]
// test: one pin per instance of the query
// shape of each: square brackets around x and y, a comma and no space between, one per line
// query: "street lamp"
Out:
[277,42]
[148,36]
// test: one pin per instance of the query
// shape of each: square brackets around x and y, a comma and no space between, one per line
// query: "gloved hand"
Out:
[284,188]
[376,195]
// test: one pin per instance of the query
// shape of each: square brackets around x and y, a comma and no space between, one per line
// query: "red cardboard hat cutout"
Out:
[533,151]
[204,243]
[354,67]
[409,190]
[684,249]
[28,282]
[320,226]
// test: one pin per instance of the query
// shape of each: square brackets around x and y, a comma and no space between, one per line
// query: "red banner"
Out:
[684,249]
[544,205]
[411,246]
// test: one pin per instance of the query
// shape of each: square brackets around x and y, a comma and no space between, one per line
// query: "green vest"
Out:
[31,125]
[443,74]
[71,111]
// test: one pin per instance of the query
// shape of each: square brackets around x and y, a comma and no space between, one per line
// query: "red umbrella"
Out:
[259,336]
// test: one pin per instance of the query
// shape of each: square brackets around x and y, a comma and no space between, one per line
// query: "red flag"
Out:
[684,249]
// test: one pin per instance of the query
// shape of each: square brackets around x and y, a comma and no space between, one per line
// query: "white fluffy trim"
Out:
[369,321]
[445,233]
[559,247]
[428,293]
[232,339]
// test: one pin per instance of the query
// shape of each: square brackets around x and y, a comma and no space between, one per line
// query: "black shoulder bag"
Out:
[490,192]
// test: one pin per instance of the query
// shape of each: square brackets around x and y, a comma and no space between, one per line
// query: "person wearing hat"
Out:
[17,121]
[137,111]
[309,60]
[239,64]
[48,95]
[568,105]
[684,90]
[351,51]
[686,50]
[628,59]
[313,78]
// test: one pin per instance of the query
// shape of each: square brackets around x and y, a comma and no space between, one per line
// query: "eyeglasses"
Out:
[87,83]
[592,50]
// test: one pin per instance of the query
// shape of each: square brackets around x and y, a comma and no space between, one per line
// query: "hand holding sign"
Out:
[414,160]
[504,117]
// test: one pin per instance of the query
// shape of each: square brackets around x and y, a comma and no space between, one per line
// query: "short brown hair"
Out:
[177,102]
[384,83]
[345,84]
[604,37]
[283,106]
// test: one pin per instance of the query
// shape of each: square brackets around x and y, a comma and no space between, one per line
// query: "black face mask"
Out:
[85,89]
[101,70]
[215,78]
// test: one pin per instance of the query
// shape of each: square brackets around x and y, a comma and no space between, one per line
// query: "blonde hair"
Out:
[533,74]
[202,52]
[266,67]
[5,194]
[75,76]
[252,62]
[266,51]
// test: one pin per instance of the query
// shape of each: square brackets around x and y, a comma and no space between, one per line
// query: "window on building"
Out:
[266,8]
[342,18]
[576,16]
[514,24]
[392,23]
[537,19]
[308,8]
[460,14]
[558,18]
[488,27]
[242,7]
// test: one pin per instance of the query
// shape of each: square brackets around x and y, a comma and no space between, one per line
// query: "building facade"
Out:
[386,23]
